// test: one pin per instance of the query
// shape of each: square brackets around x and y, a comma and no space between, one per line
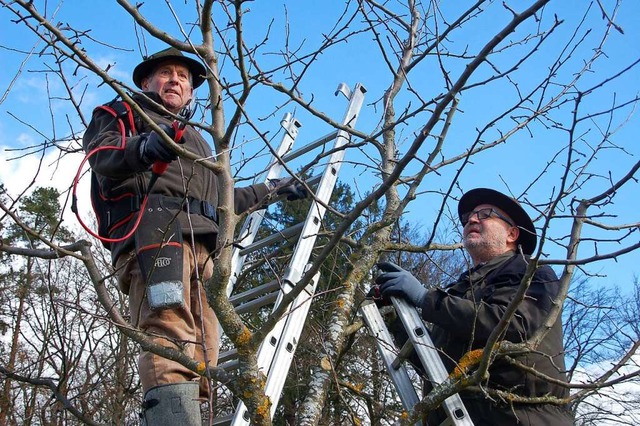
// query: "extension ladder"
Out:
[420,342]
[277,350]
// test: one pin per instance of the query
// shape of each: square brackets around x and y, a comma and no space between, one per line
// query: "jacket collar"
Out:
[479,272]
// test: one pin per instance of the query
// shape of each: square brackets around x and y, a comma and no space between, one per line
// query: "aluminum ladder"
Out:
[394,359]
[277,350]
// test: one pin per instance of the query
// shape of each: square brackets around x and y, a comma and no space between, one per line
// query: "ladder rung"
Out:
[313,181]
[223,421]
[245,296]
[253,305]
[403,355]
[273,238]
[309,147]
[229,365]
[227,355]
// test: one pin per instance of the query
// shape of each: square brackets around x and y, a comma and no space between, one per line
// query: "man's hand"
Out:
[395,281]
[288,187]
[153,149]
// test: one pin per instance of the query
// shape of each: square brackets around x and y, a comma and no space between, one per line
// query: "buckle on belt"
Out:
[209,211]
[203,208]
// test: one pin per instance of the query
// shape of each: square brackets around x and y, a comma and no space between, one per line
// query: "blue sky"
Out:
[510,166]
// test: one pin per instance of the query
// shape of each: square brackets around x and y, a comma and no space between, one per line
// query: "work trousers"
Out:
[189,329]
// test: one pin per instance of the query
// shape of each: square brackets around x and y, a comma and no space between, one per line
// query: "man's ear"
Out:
[513,234]
[144,84]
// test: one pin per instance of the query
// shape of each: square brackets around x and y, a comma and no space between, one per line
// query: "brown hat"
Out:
[146,67]
[470,200]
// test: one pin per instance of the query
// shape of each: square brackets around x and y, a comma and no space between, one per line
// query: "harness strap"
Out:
[121,211]
[122,111]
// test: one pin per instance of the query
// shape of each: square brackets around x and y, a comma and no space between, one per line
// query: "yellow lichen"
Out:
[245,336]
[468,360]
[264,408]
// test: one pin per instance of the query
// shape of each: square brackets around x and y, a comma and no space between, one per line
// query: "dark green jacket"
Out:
[119,178]
[465,313]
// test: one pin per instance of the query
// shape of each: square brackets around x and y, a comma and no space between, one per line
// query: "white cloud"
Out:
[614,405]
[25,139]
[23,175]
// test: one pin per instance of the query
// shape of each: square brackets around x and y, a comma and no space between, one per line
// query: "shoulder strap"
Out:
[121,111]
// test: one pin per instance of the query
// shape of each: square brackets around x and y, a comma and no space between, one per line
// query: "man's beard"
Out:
[485,248]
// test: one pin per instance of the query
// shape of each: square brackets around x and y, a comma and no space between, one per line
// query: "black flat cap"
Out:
[146,67]
[473,198]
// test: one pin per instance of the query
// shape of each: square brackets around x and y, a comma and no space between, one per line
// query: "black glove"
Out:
[153,149]
[395,281]
[288,187]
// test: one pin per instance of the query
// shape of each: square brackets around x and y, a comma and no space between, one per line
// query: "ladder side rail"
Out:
[302,251]
[306,242]
[289,343]
[387,349]
[430,359]
[283,350]
[252,223]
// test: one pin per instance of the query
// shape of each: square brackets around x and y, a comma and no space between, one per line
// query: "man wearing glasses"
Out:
[524,388]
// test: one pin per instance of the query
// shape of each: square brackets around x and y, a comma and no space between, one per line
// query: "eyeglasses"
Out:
[483,214]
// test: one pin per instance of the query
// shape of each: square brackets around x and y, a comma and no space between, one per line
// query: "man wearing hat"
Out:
[163,261]
[499,237]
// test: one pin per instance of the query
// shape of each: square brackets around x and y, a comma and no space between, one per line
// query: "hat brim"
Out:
[145,68]
[473,198]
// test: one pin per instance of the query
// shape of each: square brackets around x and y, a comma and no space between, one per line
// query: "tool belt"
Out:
[118,212]
[192,206]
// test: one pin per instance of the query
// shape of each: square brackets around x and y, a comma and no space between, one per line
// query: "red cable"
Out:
[74,198]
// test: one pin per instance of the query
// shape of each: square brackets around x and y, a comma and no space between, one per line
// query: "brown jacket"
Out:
[119,178]
[464,315]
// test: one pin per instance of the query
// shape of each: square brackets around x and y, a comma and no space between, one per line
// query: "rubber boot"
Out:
[175,404]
